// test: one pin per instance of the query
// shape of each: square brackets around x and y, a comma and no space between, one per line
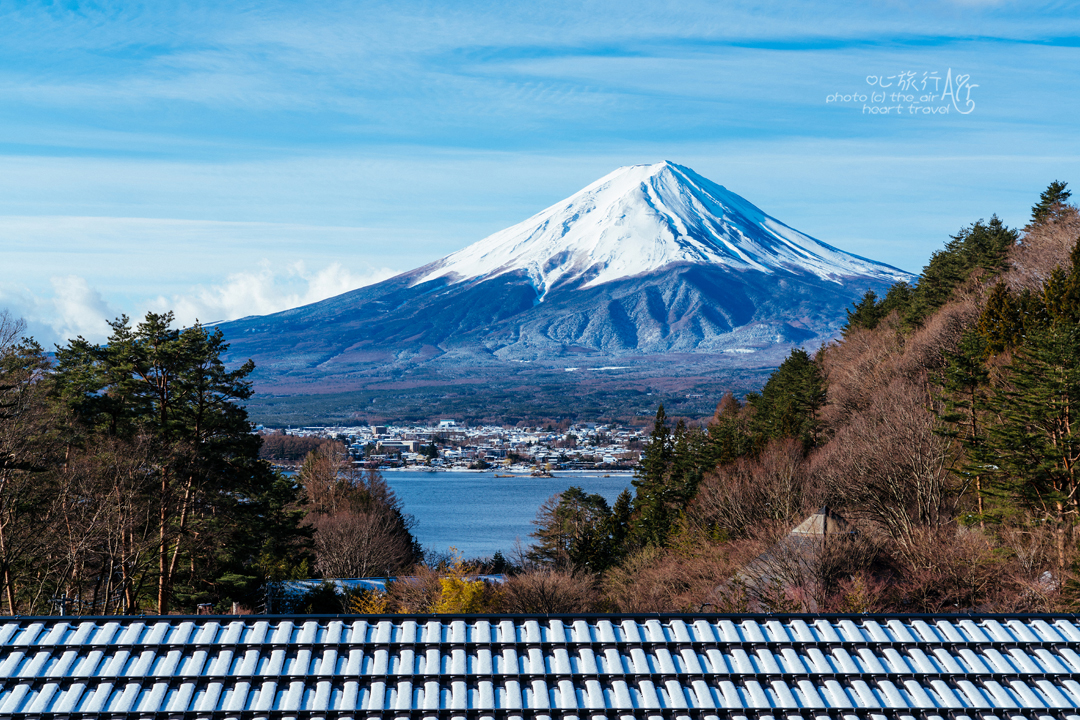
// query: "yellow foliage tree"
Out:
[459,594]
[368,602]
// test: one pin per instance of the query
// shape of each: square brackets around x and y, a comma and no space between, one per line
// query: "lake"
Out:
[479,513]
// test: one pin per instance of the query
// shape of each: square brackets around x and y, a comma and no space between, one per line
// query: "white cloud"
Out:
[265,290]
[73,308]
[77,309]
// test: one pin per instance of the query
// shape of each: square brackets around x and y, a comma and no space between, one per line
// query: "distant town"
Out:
[450,446]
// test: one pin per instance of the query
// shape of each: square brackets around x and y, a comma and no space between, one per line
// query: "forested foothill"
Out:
[926,461]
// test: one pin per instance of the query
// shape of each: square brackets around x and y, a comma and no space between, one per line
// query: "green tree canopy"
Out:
[1050,202]
[790,402]
[575,530]
[981,246]
[167,390]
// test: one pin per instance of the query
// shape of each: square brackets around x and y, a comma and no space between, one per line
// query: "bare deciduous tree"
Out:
[1043,247]
[889,464]
[857,368]
[350,544]
[551,591]
[360,529]
[742,497]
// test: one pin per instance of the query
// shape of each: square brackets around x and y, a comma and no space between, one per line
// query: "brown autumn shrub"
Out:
[419,593]
[948,569]
[1029,580]
[863,592]
[888,464]
[547,590]
[738,499]
[691,578]
[857,367]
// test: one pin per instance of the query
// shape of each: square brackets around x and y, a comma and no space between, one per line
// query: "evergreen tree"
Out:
[1008,318]
[1033,438]
[652,491]
[621,513]
[868,312]
[574,532]
[978,247]
[1001,323]
[864,314]
[965,380]
[1061,293]
[898,298]
[667,477]
[169,389]
[790,402]
[1050,202]
[728,437]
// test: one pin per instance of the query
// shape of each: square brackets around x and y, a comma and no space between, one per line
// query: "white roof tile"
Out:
[558,667]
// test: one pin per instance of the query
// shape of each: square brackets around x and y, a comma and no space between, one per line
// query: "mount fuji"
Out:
[652,271]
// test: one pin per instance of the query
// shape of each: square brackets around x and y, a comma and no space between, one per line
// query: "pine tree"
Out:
[1001,323]
[898,298]
[790,402]
[652,514]
[864,314]
[982,246]
[965,380]
[574,531]
[1050,202]
[621,513]
[170,388]
[728,438]
[1033,440]
[1061,293]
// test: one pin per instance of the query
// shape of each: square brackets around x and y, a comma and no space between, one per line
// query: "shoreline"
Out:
[500,471]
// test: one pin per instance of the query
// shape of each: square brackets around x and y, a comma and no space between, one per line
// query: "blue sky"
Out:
[224,159]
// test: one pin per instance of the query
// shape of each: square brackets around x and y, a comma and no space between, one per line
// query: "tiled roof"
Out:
[665,666]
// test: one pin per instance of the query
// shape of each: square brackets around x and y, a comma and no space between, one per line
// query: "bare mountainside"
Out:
[653,278]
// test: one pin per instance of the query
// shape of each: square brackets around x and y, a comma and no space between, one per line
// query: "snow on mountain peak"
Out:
[642,218]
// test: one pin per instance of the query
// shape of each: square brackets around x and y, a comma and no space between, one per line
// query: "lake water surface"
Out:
[479,513]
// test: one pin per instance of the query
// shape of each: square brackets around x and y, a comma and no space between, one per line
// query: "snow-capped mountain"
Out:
[648,264]
[641,219]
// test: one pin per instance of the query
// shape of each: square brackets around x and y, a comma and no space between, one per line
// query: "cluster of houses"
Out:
[448,445]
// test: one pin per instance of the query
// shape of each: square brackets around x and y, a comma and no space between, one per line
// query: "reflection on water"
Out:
[479,513]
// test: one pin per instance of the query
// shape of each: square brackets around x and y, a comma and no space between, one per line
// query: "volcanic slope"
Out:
[651,267]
